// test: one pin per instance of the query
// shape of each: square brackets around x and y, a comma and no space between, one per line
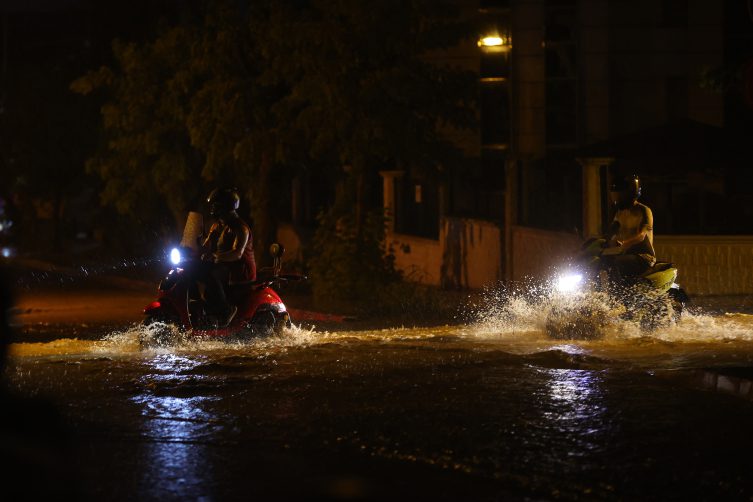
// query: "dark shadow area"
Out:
[35,448]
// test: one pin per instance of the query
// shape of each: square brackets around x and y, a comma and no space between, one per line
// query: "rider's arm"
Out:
[235,253]
[611,236]
[211,238]
[646,227]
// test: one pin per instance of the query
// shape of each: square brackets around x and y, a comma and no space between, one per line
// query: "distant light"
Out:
[491,42]
[7,252]
[175,256]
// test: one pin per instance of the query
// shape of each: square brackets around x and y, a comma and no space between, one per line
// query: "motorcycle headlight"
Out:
[569,283]
[175,256]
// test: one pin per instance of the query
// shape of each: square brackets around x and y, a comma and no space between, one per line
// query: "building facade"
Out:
[564,87]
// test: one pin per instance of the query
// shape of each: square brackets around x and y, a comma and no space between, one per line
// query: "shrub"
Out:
[350,264]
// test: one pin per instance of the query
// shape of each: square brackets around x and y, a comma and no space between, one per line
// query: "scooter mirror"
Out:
[276,250]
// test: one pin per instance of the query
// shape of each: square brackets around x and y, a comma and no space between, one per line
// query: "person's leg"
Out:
[201,272]
[215,276]
[224,310]
[218,277]
[630,265]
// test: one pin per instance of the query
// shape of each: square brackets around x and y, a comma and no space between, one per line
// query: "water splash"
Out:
[514,319]
[127,342]
[157,338]
[528,311]
[696,326]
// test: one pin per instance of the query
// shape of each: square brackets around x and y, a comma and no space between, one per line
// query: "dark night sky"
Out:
[43,30]
[39,5]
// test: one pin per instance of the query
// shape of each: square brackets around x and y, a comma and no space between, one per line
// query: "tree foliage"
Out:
[184,111]
[244,90]
[360,88]
[44,141]
[362,94]
[146,164]
[349,266]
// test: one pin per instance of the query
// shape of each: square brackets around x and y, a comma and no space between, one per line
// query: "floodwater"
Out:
[484,410]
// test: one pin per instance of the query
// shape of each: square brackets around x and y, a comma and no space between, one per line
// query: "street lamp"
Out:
[494,43]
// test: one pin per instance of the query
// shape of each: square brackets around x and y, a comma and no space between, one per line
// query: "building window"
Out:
[561,113]
[493,4]
[676,97]
[417,211]
[674,13]
[495,115]
[561,53]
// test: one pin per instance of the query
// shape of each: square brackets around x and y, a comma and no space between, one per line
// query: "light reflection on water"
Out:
[177,430]
[501,401]
[576,398]
[572,388]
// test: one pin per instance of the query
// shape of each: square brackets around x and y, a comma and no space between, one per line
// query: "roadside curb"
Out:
[308,315]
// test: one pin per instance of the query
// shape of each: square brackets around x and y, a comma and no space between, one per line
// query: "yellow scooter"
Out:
[590,296]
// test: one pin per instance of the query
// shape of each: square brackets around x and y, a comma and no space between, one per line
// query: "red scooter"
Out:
[180,303]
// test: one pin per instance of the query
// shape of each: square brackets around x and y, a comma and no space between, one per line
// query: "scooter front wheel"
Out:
[157,331]
[679,300]
[283,322]
[268,323]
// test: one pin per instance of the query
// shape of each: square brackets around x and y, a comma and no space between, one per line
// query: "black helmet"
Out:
[629,185]
[223,201]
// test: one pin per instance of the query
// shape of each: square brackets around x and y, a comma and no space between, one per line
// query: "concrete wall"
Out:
[710,265]
[472,253]
[537,252]
[468,254]
[707,265]
[419,259]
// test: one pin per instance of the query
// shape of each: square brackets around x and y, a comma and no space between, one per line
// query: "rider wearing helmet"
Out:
[228,252]
[631,235]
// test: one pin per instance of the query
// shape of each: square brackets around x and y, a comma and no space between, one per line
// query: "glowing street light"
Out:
[492,41]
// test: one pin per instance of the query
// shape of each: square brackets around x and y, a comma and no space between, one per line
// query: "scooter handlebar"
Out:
[280,278]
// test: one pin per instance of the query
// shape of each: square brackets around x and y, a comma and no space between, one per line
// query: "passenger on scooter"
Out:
[630,241]
[228,253]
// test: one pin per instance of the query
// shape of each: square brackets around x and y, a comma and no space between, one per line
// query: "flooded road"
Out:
[487,410]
